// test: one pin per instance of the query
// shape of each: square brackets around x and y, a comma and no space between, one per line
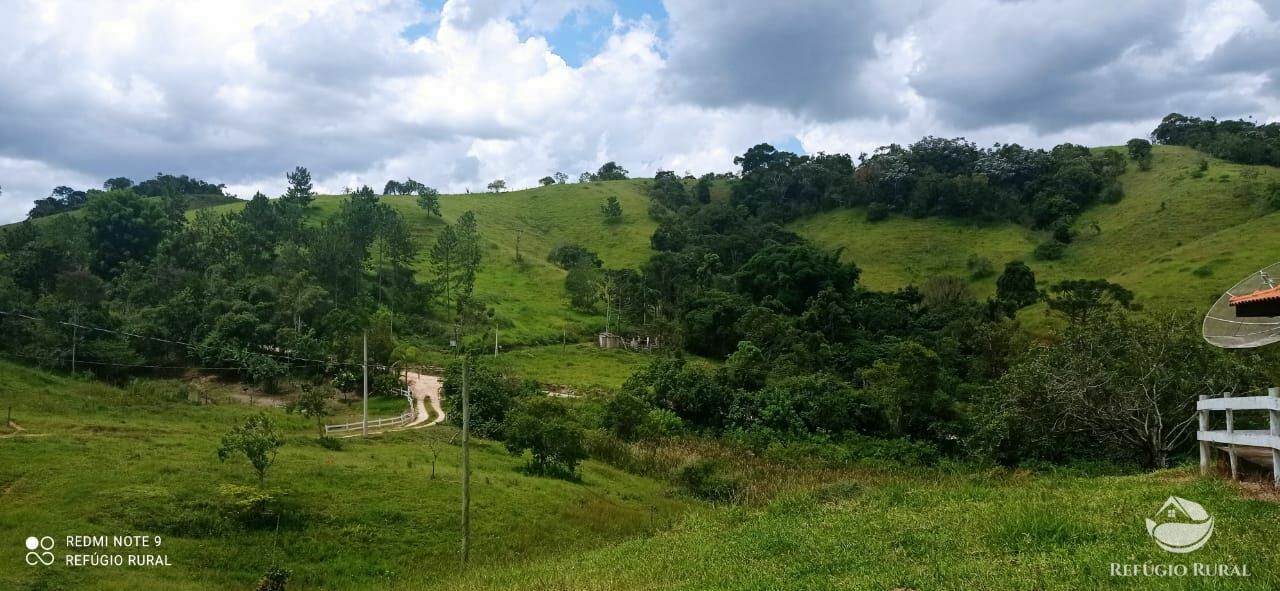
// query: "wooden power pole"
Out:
[364,426]
[466,467]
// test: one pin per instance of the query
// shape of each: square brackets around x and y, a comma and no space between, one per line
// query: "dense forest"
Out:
[1239,141]
[806,360]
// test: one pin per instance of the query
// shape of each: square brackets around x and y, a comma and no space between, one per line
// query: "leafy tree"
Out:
[117,184]
[625,415]
[544,427]
[702,189]
[561,178]
[498,186]
[300,190]
[446,255]
[257,440]
[491,396]
[312,403]
[585,177]
[1016,286]
[793,273]
[1140,152]
[571,255]
[1078,299]
[946,292]
[469,256]
[610,171]
[910,388]
[546,181]
[169,186]
[429,199]
[1123,384]
[123,227]
[580,284]
[391,188]
[611,210]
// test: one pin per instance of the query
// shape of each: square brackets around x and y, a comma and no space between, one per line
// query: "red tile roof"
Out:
[1261,295]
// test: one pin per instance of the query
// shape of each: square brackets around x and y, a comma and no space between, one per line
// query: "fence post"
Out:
[1231,430]
[1274,393]
[1204,445]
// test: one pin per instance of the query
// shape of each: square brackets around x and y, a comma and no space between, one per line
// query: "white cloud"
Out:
[240,91]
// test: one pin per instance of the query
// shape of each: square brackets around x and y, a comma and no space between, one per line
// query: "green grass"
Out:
[1175,240]
[927,530]
[107,461]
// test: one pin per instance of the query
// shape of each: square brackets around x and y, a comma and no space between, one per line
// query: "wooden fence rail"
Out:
[373,423]
[1256,443]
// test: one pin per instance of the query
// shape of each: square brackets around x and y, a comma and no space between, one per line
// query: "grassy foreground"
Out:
[929,530]
[96,460]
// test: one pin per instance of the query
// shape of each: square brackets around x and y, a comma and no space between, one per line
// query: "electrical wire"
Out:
[289,358]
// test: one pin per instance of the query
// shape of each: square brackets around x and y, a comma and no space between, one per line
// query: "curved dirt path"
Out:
[425,388]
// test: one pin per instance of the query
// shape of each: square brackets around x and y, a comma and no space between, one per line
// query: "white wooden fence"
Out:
[373,423]
[1255,444]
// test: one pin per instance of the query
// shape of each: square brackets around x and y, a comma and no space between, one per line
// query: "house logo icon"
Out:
[1180,526]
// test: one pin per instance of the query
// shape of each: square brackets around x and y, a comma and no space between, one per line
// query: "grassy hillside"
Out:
[97,460]
[928,530]
[1175,240]
[529,297]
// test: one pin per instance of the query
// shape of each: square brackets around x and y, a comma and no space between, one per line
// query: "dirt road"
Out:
[425,389]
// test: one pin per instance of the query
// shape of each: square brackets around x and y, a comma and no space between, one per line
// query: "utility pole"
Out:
[75,336]
[364,427]
[466,467]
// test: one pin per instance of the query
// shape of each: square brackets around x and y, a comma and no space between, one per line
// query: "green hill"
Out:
[1175,240]
[91,459]
[528,295]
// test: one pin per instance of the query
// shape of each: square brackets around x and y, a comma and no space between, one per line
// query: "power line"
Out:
[289,358]
[60,359]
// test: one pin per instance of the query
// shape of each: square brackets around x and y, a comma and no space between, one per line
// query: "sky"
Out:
[457,93]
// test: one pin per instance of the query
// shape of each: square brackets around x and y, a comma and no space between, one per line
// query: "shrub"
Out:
[248,506]
[877,212]
[274,580]
[568,256]
[708,480]
[543,427]
[1114,193]
[980,267]
[1050,250]
[491,395]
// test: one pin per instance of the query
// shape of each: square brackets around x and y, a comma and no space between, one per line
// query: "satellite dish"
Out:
[1248,315]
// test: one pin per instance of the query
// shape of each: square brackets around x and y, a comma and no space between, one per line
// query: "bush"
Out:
[543,426]
[980,267]
[568,256]
[248,506]
[491,395]
[624,415]
[330,443]
[877,212]
[1050,250]
[708,480]
[274,580]
[1114,193]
